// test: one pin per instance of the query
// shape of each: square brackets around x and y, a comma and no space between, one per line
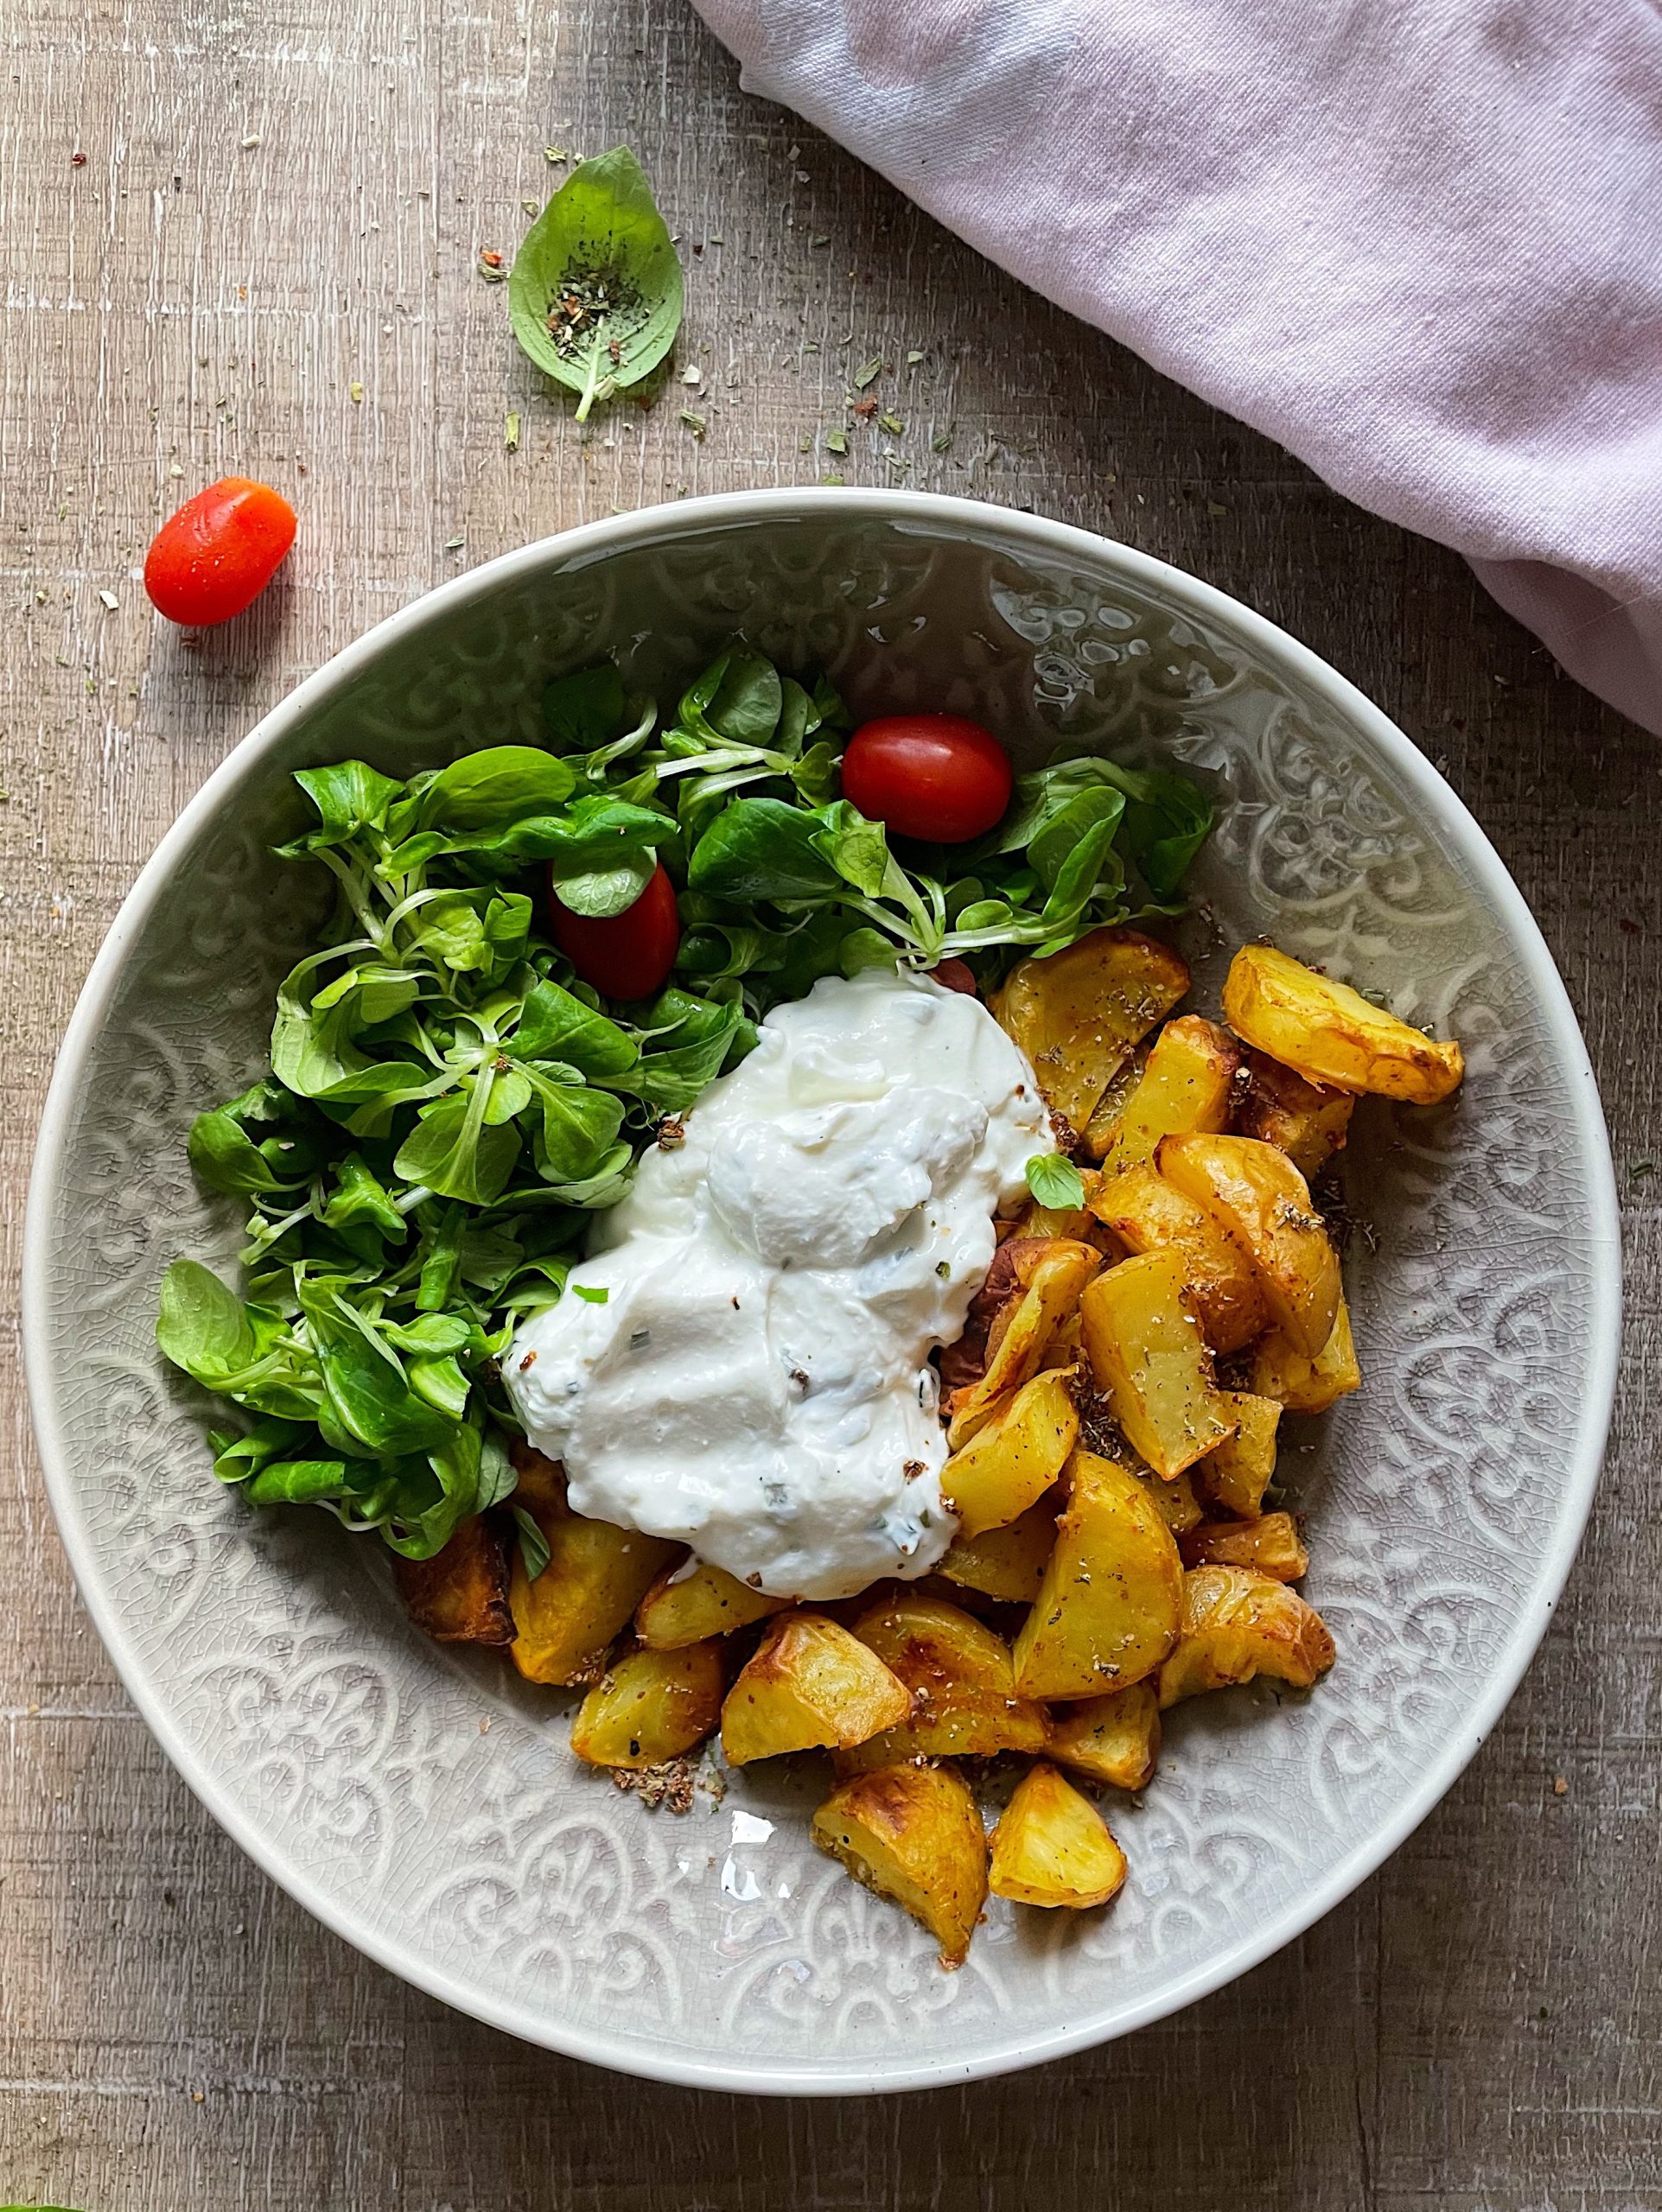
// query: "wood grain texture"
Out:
[1477,2029]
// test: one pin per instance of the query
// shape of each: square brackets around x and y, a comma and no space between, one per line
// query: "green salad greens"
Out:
[446,1104]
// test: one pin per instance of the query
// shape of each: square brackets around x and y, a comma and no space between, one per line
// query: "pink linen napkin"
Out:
[1419,242]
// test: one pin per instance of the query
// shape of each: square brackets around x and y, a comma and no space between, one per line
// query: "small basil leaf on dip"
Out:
[595,293]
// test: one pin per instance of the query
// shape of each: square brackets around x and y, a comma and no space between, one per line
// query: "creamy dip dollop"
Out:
[748,1372]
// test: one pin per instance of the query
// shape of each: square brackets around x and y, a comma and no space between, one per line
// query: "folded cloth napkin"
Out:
[1418,243]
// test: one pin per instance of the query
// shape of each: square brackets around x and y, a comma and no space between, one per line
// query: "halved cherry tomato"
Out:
[627,955]
[934,776]
[217,555]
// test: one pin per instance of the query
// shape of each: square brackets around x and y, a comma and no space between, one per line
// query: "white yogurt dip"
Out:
[749,1372]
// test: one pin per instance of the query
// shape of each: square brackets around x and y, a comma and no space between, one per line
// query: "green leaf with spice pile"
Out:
[595,292]
[448,1104]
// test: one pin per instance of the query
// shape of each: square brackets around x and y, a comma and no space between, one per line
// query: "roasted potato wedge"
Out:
[914,1834]
[1303,1385]
[1149,1214]
[1237,1624]
[694,1600]
[1021,1332]
[1015,1457]
[1109,1608]
[461,1594]
[650,1706]
[1236,1475]
[961,1680]
[1256,1195]
[1330,1033]
[1281,1107]
[596,1577]
[1080,1014]
[1176,1501]
[1150,1360]
[1076,1223]
[1053,1847]
[1114,1738]
[809,1684]
[1188,1082]
[541,1485]
[1271,1544]
[1007,1563]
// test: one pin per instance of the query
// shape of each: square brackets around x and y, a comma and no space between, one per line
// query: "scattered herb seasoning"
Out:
[511,433]
[837,441]
[864,410]
[913,357]
[696,423]
[592,1294]
[492,266]
[940,442]
[869,373]
[595,294]
[893,424]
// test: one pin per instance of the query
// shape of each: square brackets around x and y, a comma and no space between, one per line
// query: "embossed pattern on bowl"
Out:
[352,1757]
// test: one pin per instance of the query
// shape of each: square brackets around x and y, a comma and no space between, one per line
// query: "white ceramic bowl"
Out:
[350,1756]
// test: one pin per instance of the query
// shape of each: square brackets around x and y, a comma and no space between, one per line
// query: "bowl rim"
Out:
[585,544]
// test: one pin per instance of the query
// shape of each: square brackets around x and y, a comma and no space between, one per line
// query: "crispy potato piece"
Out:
[1236,1474]
[541,1486]
[1304,1385]
[1237,1624]
[1114,1738]
[1149,1214]
[650,1706]
[1021,1331]
[694,1600]
[461,1594]
[1053,1847]
[1015,1458]
[961,1680]
[1282,1108]
[1099,1129]
[1188,1082]
[1176,1501]
[1076,1223]
[1009,1562]
[1109,1608]
[596,1577]
[1330,1033]
[810,1683]
[1256,1195]
[1080,1014]
[1150,1361]
[913,1834]
[1271,1544]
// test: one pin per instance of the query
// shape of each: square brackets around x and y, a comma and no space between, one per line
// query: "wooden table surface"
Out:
[246,240]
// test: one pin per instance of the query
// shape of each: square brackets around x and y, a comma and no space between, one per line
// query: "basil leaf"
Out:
[595,295]
[1055,1183]
[533,1545]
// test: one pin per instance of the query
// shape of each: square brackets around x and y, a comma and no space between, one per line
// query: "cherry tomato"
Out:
[934,776]
[954,975]
[217,555]
[627,955]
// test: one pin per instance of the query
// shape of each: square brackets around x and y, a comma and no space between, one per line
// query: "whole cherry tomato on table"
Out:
[217,555]
[937,777]
[627,955]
